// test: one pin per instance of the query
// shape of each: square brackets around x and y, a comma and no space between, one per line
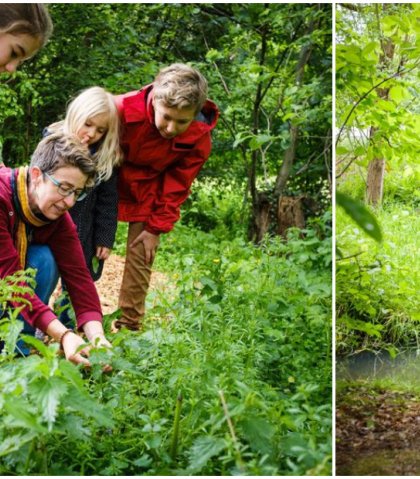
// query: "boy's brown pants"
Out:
[135,282]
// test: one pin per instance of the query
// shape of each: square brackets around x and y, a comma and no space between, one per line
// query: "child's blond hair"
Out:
[89,103]
[180,86]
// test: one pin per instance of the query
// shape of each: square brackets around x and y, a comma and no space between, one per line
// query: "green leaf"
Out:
[47,394]
[259,434]
[389,25]
[399,93]
[18,408]
[39,345]
[88,407]
[259,140]
[360,214]
[72,374]
[203,449]
[360,150]
[365,326]
[369,50]
[341,150]
[385,105]
[15,442]
[95,264]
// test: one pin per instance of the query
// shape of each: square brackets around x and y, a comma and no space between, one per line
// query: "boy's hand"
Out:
[150,243]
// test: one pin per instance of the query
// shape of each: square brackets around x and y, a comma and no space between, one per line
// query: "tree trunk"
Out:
[376,167]
[289,157]
[290,214]
[375,181]
[260,220]
[260,223]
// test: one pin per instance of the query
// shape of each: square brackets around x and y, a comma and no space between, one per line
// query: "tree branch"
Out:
[365,95]
[354,7]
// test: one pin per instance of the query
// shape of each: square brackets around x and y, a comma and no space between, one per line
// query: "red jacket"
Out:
[157,173]
[61,237]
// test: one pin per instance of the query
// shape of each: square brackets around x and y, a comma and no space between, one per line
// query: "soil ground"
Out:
[377,432]
[108,286]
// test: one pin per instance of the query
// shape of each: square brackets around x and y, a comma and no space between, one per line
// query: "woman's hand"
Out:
[71,343]
[96,336]
[100,341]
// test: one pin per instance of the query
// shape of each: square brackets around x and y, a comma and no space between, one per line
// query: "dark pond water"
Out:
[405,367]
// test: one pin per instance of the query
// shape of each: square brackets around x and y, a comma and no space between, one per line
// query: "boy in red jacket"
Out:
[166,140]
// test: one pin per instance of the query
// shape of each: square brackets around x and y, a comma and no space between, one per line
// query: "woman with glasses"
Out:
[34,204]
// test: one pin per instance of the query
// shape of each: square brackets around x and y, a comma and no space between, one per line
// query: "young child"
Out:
[24,29]
[166,140]
[37,232]
[92,116]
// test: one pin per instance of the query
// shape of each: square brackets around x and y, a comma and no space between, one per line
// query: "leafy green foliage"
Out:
[265,344]
[217,206]
[17,288]
[41,397]
[377,284]
[363,71]
[377,113]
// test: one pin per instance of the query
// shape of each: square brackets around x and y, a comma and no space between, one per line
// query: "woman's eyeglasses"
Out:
[79,194]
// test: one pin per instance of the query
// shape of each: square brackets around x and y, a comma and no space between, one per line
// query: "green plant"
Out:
[263,346]
[376,285]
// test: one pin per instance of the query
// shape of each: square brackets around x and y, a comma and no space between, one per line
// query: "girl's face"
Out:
[15,49]
[45,196]
[93,129]
[172,122]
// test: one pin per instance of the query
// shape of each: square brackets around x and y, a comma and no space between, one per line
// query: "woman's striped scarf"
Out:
[25,217]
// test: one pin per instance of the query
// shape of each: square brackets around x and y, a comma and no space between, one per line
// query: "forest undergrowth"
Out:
[230,375]
[377,284]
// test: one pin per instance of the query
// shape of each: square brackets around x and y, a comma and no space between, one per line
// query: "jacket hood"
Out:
[139,107]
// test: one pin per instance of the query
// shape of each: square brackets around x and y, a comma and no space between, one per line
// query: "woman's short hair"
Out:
[26,18]
[60,150]
[180,86]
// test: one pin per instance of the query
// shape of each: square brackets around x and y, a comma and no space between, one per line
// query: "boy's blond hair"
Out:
[89,103]
[180,86]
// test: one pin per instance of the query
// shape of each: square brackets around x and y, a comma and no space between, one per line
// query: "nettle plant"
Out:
[231,376]
[14,288]
[41,396]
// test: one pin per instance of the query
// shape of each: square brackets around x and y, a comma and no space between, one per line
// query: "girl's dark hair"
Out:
[26,18]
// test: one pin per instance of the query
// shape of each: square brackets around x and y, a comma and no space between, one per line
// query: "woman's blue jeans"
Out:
[40,258]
